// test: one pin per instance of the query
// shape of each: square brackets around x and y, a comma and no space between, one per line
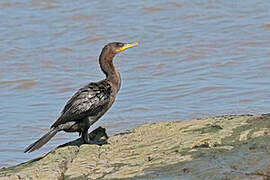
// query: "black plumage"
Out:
[89,103]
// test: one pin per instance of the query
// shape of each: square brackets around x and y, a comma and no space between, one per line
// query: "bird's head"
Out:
[116,47]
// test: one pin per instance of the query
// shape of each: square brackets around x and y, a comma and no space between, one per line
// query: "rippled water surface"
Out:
[195,59]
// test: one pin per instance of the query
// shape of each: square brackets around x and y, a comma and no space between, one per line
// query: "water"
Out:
[195,59]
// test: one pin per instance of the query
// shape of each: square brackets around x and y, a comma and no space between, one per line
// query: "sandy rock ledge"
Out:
[225,147]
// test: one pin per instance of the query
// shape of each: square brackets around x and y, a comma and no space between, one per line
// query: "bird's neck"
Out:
[111,72]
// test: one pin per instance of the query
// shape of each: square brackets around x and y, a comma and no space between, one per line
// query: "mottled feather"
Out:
[87,101]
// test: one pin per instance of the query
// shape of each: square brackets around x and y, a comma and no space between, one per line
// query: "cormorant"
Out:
[90,102]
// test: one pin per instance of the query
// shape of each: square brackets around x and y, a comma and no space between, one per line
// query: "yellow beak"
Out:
[128,46]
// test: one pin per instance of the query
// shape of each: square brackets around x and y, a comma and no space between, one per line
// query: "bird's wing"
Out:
[86,102]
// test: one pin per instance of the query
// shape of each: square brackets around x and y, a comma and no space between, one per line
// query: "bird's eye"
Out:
[120,44]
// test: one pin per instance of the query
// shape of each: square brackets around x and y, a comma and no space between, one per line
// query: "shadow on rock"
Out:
[97,136]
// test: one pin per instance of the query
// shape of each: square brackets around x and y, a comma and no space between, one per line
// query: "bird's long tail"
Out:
[43,140]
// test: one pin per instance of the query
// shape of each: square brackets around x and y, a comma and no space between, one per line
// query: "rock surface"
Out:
[225,147]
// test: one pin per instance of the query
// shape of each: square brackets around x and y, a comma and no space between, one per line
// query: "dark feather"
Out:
[86,102]
[43,140]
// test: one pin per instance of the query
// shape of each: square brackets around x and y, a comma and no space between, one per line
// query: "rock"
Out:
[224,147]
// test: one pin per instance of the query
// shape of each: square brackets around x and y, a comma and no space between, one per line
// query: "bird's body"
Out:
[86,107]
[89,103]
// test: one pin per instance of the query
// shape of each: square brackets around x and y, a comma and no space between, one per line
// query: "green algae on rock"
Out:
[224,147]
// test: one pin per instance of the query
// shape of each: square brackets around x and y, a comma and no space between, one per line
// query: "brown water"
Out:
[195,59]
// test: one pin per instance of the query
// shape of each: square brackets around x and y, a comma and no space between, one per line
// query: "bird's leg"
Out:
[85,137]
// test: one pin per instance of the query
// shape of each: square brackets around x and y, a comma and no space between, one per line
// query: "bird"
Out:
[90,102]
